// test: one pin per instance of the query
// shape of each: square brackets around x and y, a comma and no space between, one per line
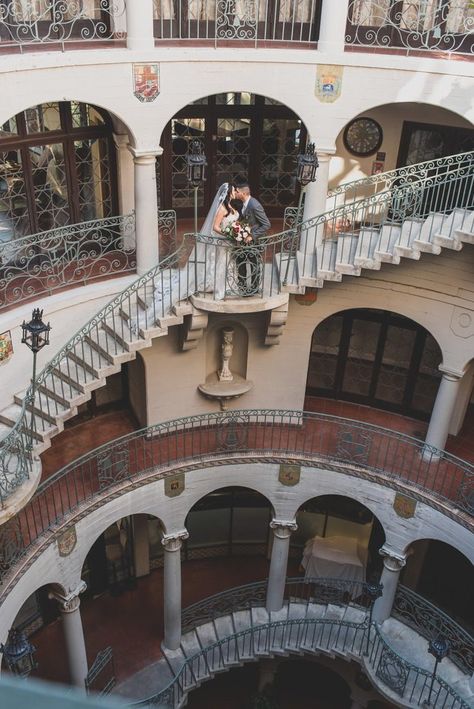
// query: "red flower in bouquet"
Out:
[239,232]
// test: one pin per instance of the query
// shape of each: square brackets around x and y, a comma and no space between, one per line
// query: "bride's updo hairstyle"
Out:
[228,197]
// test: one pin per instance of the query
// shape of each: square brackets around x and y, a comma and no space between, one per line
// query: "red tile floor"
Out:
[132,622]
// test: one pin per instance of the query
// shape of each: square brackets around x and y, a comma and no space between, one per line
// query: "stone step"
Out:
[308,270]
[345,254]
[389,235]
[108,347]
[409,232]
[76,376]
[46,407]
[460,218]
[425,240]
[42,431]
[93,361]
[120,331]
[365,256]
[326,257]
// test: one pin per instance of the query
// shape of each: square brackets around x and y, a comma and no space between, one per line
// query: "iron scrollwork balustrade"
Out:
[430,622]
[353,444]
[167,232]
[406,679]
[257,434]
[444,26]
[61,21]
[248,21]
[79,253]
[362,188]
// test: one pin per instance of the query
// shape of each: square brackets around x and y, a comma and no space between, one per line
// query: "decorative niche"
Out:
[226,363]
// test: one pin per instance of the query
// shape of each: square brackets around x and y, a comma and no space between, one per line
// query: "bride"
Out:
[206,268]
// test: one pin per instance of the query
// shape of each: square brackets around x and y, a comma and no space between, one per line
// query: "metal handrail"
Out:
[193,268]
[429,621]
[358,189]
[341,445]
[79,253]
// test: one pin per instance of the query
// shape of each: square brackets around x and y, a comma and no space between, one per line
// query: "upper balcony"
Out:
[436,28]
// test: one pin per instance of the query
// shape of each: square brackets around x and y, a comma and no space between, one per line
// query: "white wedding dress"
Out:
[206,271]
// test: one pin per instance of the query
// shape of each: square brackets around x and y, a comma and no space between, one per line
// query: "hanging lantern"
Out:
[18,653]
[307,165]
[196,163]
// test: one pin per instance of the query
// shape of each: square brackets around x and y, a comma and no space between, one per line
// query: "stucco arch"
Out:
[445,540]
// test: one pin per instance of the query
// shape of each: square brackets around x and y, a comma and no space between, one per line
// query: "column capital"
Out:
[142,156]
[69,602]
[174,541]
[282,528]
[450,373]
[392,560]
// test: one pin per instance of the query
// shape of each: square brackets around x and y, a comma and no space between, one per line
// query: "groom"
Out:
[253,213]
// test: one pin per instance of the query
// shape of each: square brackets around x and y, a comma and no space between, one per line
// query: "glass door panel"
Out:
[324,355]
[233,149]
[279,149]
[395,366]
[93,176]
[49,186]
[360,357]
[183,131]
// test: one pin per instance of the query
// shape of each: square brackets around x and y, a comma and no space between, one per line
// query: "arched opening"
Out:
[57,167]
[443,575]
[243,135]
[338,537]
[385,137]
[377,358]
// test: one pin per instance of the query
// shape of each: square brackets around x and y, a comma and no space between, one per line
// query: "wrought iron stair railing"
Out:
[354,637]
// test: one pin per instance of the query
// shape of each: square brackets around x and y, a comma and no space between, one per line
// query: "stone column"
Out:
[172,588]
[140,24]
[442,413]
[314,205]
[393,563]
[73,634]
[146,210]
[332,28]
[282,530]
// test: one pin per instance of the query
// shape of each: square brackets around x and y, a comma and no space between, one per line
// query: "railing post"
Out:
[282,530]
[172,587]
[393,563]
[332,28]
[140,24]
[73,633]
[146,209]
[443,409]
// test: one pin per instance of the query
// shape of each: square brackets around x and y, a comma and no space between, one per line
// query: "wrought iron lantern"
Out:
[35,333]
[307,165]
[35,336]
[18,653]
[439,648]
[197,163]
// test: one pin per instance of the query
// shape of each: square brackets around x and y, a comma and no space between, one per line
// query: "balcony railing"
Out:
[76,254]
[25,23]
[437,26]
[254,22]
[388,458]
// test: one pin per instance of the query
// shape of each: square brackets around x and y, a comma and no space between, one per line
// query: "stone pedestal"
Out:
[393,563]
[282,530]
[172,588]
[73,634]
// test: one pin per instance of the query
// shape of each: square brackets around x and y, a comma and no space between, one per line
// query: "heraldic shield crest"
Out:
[146,81]
[404,506]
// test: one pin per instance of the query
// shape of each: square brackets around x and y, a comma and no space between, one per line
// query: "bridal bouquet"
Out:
[239,232]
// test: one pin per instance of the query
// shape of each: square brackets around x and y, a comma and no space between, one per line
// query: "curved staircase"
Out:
[332,619]
[394,223]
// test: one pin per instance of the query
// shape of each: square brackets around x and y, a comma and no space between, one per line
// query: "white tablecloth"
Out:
[333,557]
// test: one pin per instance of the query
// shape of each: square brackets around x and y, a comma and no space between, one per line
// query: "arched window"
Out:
[56,167]
[377,358]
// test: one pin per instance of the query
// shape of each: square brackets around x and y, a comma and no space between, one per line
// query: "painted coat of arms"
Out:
[146,81]
[328,82]
[174,485]
[404,506]
[289,474]
[6,346]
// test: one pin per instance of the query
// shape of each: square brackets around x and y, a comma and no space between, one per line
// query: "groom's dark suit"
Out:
[254,214]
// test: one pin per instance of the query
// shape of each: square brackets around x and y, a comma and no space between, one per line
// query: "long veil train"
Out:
[204,271]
